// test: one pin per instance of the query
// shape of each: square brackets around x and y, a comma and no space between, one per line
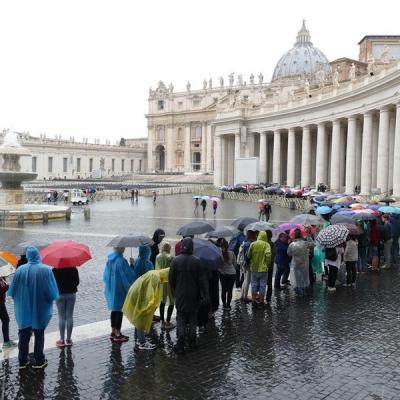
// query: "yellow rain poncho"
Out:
[143,298]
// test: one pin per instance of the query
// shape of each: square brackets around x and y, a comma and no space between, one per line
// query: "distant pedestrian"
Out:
[215,206]
[196,206]
[204,206]
[67,282]
[33,290]
[132,195]
[137,195]
[49,197]
[261,214]
[350,258]
[117,277]
[5,319]
[154,197]
[66,195]
[187,280]
[227,274]
[267,211]
[163,260]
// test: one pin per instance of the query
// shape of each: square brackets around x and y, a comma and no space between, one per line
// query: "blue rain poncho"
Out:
[142,263]
[33,290]
[118,276]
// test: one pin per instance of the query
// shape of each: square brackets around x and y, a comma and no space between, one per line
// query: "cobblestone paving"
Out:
[340,346]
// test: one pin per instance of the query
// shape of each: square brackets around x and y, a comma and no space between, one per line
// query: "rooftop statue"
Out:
[352,72]
[320,75]
[221,81]
[205,84]
[210,83]
[240,80]
[371,64]
[260,78]
[385,56]
[188,87]
[231,78]
[252,79]
[336,78]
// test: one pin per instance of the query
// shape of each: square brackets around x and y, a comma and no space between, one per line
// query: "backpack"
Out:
[331,254]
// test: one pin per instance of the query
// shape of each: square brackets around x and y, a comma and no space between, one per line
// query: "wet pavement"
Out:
[340,346]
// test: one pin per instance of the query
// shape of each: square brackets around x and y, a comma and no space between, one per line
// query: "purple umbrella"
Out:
[286,227]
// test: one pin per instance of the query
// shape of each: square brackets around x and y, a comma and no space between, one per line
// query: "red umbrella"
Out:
[65,254]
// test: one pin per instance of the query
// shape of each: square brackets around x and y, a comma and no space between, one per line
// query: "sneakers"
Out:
[60,344]
[146,346]
[8,345]
[169,325]
[41,365]
[69,343]
[24,366]
[120,339]
[331,289]
[385,267]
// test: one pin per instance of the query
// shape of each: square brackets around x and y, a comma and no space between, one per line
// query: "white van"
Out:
[78,197]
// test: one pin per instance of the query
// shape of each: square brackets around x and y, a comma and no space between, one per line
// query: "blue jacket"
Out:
[281,256]
[118,277]
[142,263]
[33,290]
[395,222]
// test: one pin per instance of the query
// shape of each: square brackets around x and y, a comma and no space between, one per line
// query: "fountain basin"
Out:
[12,180]
[21,213]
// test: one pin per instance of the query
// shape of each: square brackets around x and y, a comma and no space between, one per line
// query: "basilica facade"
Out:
[317,121]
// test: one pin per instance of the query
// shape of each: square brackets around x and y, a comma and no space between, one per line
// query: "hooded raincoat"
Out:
[142,263]
[33,290]
[299,250]
[143,298]
[158,236]
[260,254]
[163,261]
[117,277]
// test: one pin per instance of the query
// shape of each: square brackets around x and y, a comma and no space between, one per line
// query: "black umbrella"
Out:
[341,219]
[130,241]
[363,217]
[195,228]
[242,222]
[222,232]
[20,249]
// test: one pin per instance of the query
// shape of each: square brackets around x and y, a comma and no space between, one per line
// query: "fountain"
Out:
[12,195]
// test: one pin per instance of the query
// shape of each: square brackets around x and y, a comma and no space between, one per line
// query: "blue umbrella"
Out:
[374,207]
[388,210]
[210,255]
[323,210]
[345,213]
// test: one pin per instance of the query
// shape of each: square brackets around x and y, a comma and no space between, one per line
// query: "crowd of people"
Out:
[253,261]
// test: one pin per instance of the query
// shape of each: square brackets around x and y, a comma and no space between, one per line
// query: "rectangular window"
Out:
[122,165]
[196,103]
[197,133]
[50,164]
[34,164]
[140,165]
[113,165]
[78,165]
[180,105]
[160,105]
[65,164]
[160,134]
[132,165]
[90,164]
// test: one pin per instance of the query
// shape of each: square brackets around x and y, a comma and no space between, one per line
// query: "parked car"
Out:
[78,197]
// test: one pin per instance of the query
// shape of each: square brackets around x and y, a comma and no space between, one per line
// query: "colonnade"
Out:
[361,149]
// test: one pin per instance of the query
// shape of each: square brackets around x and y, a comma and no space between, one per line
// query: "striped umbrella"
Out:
[332,236]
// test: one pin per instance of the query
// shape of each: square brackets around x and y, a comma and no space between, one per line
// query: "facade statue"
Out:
[221,81]
[352,73]
[385,56]
[335,79]
[210,83]
[260,78]
[292,96]
[102,163]
[171,88]
[205,84]
[371,64]
[307,88]
[231,78]
[240,80]
[188,87]
[320,75]
[252,79]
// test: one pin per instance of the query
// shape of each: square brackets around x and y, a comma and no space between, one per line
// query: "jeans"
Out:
[5,321]
[116,319]
[395,250]
[259,283]
[332,274]
[23,345]
[183,320]
[387,249]
[351,270]
[65,306]
[227,282]
[246,284]
[140,336]
[280,272]
[362,259]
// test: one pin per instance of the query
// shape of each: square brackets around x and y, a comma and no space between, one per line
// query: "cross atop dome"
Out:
[303,36]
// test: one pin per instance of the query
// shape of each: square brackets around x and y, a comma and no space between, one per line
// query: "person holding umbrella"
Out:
[33,290]
[118,276]
[204,206]
[214,205]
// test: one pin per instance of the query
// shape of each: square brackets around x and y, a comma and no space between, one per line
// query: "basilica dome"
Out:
[303,58]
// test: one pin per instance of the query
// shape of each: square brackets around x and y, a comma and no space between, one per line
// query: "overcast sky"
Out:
[83,67]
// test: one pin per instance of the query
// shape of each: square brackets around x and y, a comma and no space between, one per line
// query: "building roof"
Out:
[393,37]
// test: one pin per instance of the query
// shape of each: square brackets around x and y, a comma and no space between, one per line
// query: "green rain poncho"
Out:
[163,260]
[260,254]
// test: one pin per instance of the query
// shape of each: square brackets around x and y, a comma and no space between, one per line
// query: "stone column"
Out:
[150,138]
[263,157]
[250,144]
[209,148]
[396,159]
[217,161]
[335,156]
[203,147]
[358,152]
[306,157]
[366,156]
[237,145]
[392,125]
[170,148]
[276,166]
[188,145]
[321,156]
[351,154]
[383,150]
[291,158]
[374,162]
